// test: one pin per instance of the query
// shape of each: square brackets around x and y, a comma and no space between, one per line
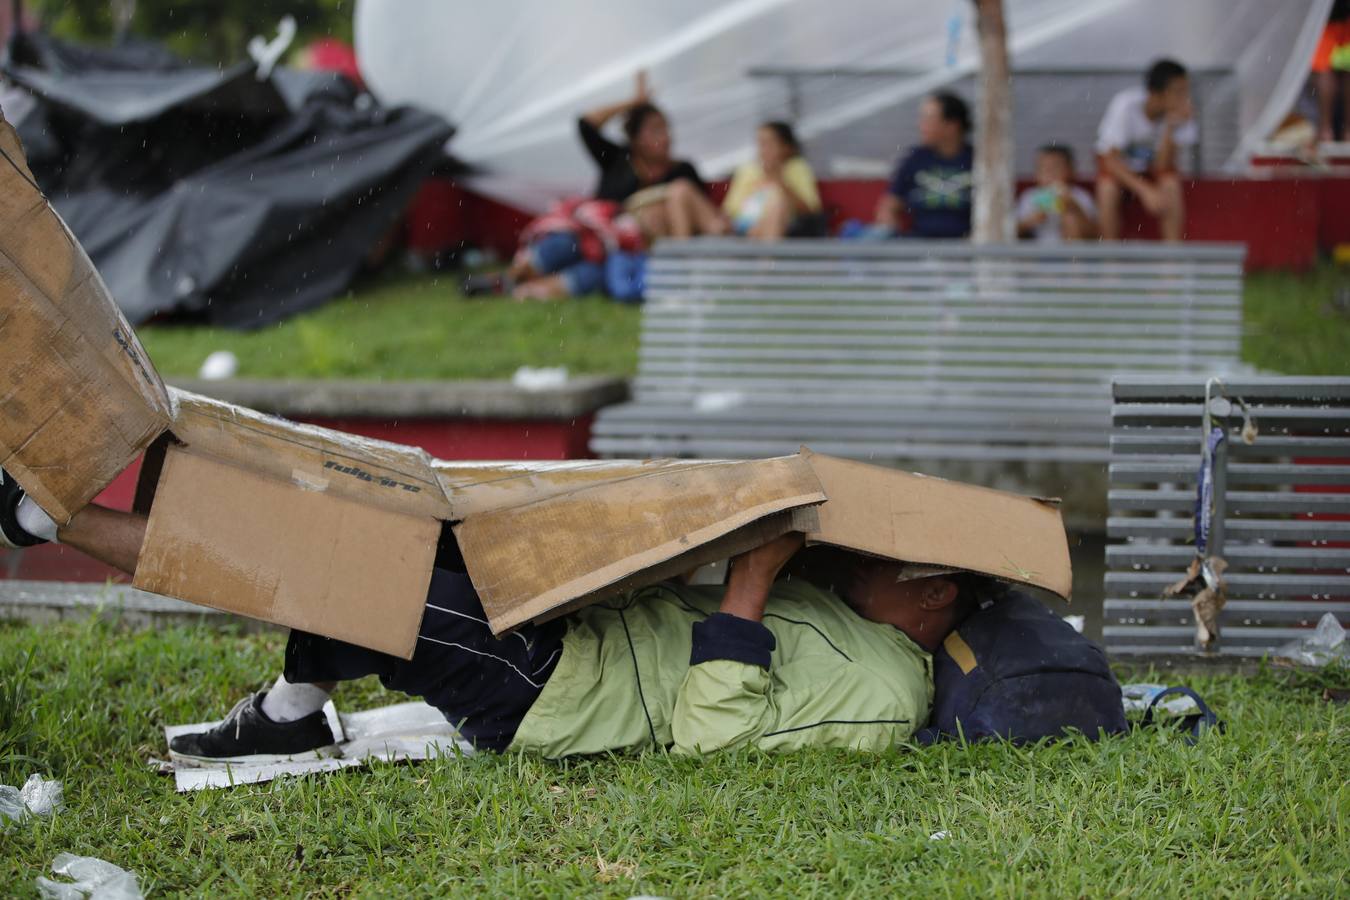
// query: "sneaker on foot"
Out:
[247,735]
[483,284]
[12,537]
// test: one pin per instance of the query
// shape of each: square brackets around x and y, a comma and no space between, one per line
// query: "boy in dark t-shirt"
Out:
[931,186]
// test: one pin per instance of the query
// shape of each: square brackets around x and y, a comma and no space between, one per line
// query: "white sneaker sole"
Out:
[332,751]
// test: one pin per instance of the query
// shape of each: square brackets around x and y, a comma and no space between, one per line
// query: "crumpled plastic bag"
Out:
[94,879]
[1324,645]
[1136,698]
[38,797]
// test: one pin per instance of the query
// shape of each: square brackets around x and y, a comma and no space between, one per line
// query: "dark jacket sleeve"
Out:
[724,636]
[604,151]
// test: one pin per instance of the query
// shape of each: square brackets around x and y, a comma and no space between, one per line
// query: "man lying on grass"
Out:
[777,664]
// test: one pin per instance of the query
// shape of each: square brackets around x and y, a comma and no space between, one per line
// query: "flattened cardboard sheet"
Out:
[743,539]
[529,560]
[80,398]
[239,541]
[388,476]
[914,518]
[478,487]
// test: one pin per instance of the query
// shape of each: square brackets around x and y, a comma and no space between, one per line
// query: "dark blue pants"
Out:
[481,684]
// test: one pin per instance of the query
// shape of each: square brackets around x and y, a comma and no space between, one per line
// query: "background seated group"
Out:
[643,193]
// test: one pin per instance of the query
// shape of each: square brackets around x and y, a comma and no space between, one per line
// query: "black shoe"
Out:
[488,284]
[12,537]
[247,735]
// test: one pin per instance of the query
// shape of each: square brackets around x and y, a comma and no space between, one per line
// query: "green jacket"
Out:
[661,667]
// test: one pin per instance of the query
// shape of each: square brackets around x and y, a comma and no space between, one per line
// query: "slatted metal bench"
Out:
[1281,510]
[909,350]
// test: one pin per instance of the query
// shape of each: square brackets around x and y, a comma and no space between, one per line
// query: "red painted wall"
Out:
[1284,221]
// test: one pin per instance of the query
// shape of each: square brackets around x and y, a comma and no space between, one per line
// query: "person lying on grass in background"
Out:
[841,659]
[1056,209]
[665,197]
[776,195]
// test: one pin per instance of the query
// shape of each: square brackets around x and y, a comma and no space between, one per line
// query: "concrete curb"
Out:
[341,398]
[41,602]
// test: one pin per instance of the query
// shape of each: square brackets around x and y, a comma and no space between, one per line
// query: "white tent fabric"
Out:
[513,76]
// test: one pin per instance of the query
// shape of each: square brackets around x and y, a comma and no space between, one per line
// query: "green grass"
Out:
[1259,811]
[413,328]
[1292,325]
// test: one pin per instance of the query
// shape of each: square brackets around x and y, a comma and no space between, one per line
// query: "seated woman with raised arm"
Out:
[666,194]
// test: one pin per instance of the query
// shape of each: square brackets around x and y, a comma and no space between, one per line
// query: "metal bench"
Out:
[1281,510]
[910,350]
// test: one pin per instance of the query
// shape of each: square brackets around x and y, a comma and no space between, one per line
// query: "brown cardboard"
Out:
[527,561]
[915,518]
[239,541]
[80,398]
[478,487]
[387,476]
[745,538]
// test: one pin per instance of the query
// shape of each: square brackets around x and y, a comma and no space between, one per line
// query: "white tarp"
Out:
[513,76]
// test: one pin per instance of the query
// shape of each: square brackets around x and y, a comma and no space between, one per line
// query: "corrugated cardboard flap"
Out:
[527,561]
[232,539]
[473,488]
[916,518]
[388,476]
[81,399]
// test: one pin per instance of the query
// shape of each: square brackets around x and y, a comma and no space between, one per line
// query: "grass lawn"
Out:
[1263,810]
[410,328]
[1291,325]
[422,328]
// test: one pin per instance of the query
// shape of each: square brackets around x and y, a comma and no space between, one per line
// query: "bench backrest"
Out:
[1011,336]
[1282,511]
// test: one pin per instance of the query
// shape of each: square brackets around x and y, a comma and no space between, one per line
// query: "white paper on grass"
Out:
[403,731]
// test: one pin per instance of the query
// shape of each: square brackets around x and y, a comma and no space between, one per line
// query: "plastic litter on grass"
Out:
[1324,645]
[92,878]
[38,797]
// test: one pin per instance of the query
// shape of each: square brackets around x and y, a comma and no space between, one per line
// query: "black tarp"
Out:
[215,193]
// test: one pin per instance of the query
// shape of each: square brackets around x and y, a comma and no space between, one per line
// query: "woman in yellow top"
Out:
[775,196]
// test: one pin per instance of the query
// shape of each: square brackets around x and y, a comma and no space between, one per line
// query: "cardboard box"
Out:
[336,534]
[237,540]
[916,518]
[80,398]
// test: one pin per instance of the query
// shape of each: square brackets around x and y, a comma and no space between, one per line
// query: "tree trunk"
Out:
[993,183]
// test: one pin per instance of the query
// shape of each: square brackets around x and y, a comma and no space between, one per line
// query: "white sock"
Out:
[286,702]
[34,521]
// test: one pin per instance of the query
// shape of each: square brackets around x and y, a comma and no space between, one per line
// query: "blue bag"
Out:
[1017,671]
